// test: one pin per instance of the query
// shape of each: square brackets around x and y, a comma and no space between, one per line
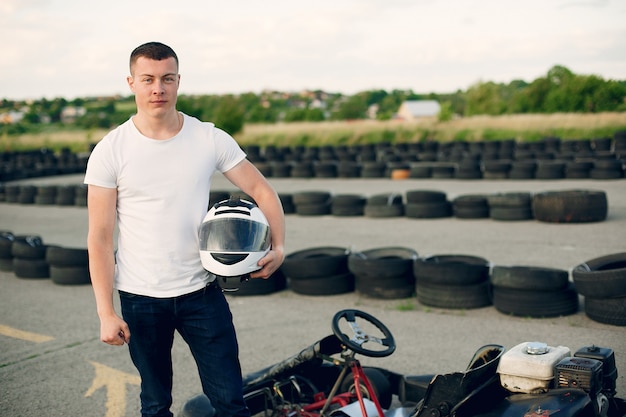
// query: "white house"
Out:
[416,109]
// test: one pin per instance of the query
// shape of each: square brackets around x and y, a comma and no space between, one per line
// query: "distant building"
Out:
[69,114]
[416,109]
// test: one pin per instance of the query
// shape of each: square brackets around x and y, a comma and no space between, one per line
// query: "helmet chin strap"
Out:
[242,278]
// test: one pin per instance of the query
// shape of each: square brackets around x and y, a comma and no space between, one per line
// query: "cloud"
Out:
[73,48]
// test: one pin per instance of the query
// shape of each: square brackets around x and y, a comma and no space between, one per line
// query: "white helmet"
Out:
[234,236]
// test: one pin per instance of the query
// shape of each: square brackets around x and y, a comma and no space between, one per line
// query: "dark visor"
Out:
[234,235]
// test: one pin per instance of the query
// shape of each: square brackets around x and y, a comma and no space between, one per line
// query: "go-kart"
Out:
[327,380]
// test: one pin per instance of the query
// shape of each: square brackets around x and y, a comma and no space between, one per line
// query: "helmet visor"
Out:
[234,235]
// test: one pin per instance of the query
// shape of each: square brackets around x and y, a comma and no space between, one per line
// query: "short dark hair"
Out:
[152,50]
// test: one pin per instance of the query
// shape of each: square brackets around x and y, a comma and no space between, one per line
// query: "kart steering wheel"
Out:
[360,338]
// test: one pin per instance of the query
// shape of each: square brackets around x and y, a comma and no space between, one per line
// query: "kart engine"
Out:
[593,369]
[535,367]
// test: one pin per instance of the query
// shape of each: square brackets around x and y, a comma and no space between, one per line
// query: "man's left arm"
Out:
[249,179]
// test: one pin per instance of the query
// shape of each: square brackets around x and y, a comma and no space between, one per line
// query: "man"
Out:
[151,176]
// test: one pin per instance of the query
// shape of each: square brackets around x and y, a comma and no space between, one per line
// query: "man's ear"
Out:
[131,83]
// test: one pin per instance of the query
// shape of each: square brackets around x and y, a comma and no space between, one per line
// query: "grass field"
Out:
[520,127]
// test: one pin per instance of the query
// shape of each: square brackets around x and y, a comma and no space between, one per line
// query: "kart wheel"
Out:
[378,380]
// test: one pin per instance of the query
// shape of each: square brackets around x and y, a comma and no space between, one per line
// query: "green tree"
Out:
[229,115]
[484,98]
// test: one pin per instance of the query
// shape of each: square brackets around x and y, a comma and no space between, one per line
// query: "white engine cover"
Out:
[529,366]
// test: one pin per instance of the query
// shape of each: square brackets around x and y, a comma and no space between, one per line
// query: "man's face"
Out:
[155,84]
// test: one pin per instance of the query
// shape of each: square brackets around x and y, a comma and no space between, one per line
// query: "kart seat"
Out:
[447,392]
[315,352]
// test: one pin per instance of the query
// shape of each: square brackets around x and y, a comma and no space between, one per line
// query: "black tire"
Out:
[536,304]
[313,209]
[510,213]
[606,310]
[6,264]
[323,285]
[386,288]
[431,210]
[6,242]
[28,247]
[311,197]
[348,205]
[454,296]
[70,275]
[383,262]
[601,277]
[570,206]
[31,268]
[380,211]
[471,212]
[385,199]
[425,196]
[61,256]
[529,278]
[514,199]
[380,383]
[451,270]
[316,262]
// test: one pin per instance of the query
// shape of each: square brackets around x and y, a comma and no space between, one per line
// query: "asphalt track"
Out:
[52,362]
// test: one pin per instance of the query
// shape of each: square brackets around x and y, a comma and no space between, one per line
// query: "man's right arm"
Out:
[101,206]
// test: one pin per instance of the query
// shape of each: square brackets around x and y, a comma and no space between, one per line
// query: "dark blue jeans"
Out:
[204,321]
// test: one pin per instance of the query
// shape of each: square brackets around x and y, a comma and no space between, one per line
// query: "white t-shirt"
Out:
[162,196]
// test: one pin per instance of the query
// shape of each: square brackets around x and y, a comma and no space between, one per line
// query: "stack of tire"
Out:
[510,206]
[68,266]
[452,281]
[470,206]
[384,205]
[46,195]
[532,291]
[384,273]
[312,203]
[570,206]
[602,281]
[348,205]
[318,271]
[427,204]
[29,257]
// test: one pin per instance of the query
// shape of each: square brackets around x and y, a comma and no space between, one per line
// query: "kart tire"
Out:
[379,382]
[536,304]
[451,270]
[529,278]
[454,296]
[326,285]
[606,310]
[601,277]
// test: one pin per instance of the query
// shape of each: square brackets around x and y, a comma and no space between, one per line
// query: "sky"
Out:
[80,48]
